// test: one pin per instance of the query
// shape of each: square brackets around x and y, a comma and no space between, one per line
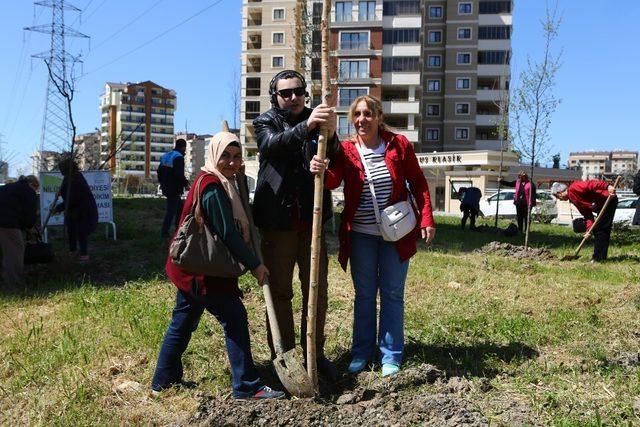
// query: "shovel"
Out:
[570,257]
[288,365]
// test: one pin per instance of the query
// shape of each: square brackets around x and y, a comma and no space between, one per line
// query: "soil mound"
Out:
[515,251]
[373,400]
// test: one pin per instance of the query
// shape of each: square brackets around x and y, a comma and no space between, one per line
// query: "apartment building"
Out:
[137,127]
[466,73]
[195,154]
[269,43]
[441,67]
[88,150]
[594,164]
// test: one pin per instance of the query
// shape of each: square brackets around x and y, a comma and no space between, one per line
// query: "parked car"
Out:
[626,209]
[546,205]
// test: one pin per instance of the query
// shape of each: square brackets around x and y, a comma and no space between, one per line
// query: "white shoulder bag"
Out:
[395,221]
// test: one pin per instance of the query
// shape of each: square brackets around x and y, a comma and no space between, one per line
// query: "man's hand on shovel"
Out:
[261,273]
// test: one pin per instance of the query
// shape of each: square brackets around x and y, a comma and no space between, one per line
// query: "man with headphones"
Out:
[287,137]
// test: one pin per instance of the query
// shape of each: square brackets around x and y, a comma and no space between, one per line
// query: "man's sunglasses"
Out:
[287,93]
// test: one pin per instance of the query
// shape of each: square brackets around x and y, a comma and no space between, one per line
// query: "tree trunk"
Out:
[316,239]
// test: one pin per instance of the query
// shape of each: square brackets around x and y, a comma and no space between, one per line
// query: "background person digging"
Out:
[287,137]
[470,206]
[589,197]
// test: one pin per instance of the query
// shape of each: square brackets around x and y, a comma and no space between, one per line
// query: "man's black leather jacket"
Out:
[284,191]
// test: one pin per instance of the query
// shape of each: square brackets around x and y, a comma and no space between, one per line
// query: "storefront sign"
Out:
[440,159]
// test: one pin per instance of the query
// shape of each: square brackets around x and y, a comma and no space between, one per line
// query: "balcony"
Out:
[254,65]
[254,22]
[254,42]
[494,70]
[487,119]
[355,49]
[401,50]
[401,107]
[400,78]
[488,144]
[491,95]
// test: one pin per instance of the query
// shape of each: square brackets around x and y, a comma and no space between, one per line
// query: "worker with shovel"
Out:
[287,137]
[591,197]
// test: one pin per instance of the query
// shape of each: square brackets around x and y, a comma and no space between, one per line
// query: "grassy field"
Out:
[546,335]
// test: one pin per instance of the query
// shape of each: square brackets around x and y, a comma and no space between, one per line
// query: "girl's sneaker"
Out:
[389,369]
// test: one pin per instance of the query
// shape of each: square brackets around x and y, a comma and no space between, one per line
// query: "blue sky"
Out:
[198,59]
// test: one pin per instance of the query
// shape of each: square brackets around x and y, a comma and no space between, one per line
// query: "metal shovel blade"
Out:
[292,374]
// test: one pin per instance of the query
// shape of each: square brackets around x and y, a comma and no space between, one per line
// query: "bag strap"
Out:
[196,210]
[368,176]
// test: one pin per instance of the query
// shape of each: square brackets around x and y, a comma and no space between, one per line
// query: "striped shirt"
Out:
[364,220]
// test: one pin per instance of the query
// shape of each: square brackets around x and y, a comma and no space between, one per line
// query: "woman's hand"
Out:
[261,273]
[318,165]
[428,233]
[612,190]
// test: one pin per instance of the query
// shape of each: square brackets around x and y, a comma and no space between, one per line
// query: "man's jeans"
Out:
[174,209]
[232,315]
[376,266]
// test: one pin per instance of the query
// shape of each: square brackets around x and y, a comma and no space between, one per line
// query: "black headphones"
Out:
[285,74]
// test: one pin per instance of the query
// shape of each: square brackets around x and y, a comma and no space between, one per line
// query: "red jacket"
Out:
[588,197]
[184,280]
[403,167]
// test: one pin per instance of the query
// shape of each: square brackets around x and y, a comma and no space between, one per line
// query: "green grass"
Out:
[541,332]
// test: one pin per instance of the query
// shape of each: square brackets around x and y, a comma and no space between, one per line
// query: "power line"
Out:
[125,26]
[200,12]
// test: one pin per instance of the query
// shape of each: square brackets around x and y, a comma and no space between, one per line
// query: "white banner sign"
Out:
[99,182]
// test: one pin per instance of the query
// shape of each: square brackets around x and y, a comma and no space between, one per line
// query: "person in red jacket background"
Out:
[589,197]
[376,264]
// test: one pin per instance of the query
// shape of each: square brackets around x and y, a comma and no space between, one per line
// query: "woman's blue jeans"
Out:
[376,266]
[231,314]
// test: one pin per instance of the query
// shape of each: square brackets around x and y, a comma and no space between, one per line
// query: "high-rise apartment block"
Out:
[596,164]
[88,150]
[441,67]
[137,127]
[195,154]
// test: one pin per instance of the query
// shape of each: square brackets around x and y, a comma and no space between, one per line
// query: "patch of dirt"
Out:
[515,251]
[626,360]
[371,401]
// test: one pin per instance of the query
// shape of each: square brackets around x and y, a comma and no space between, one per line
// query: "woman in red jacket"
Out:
[589,197]
[377,265]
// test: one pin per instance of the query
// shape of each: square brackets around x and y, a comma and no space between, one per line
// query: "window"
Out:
[462,108]
[253,86]
[435,37]
[497,32]
[435,12]
[343,11]
[400,36]
[316,74]
[494,57]
[316,41]
[345,127]
[464,8]
[401,63]
[462,133]
[278,38]
[347,95]
[358,69]
[464,33]
[434,61]
[367,11]
[316,13]
[403,7]
[252,109]
[486,7]
[463,83]
[433,110]
[277,61]
[278,14]
[433,85]
[433,134]
[354,40]
[463,58]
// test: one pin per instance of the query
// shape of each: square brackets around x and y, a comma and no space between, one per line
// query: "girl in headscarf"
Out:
[225,215]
